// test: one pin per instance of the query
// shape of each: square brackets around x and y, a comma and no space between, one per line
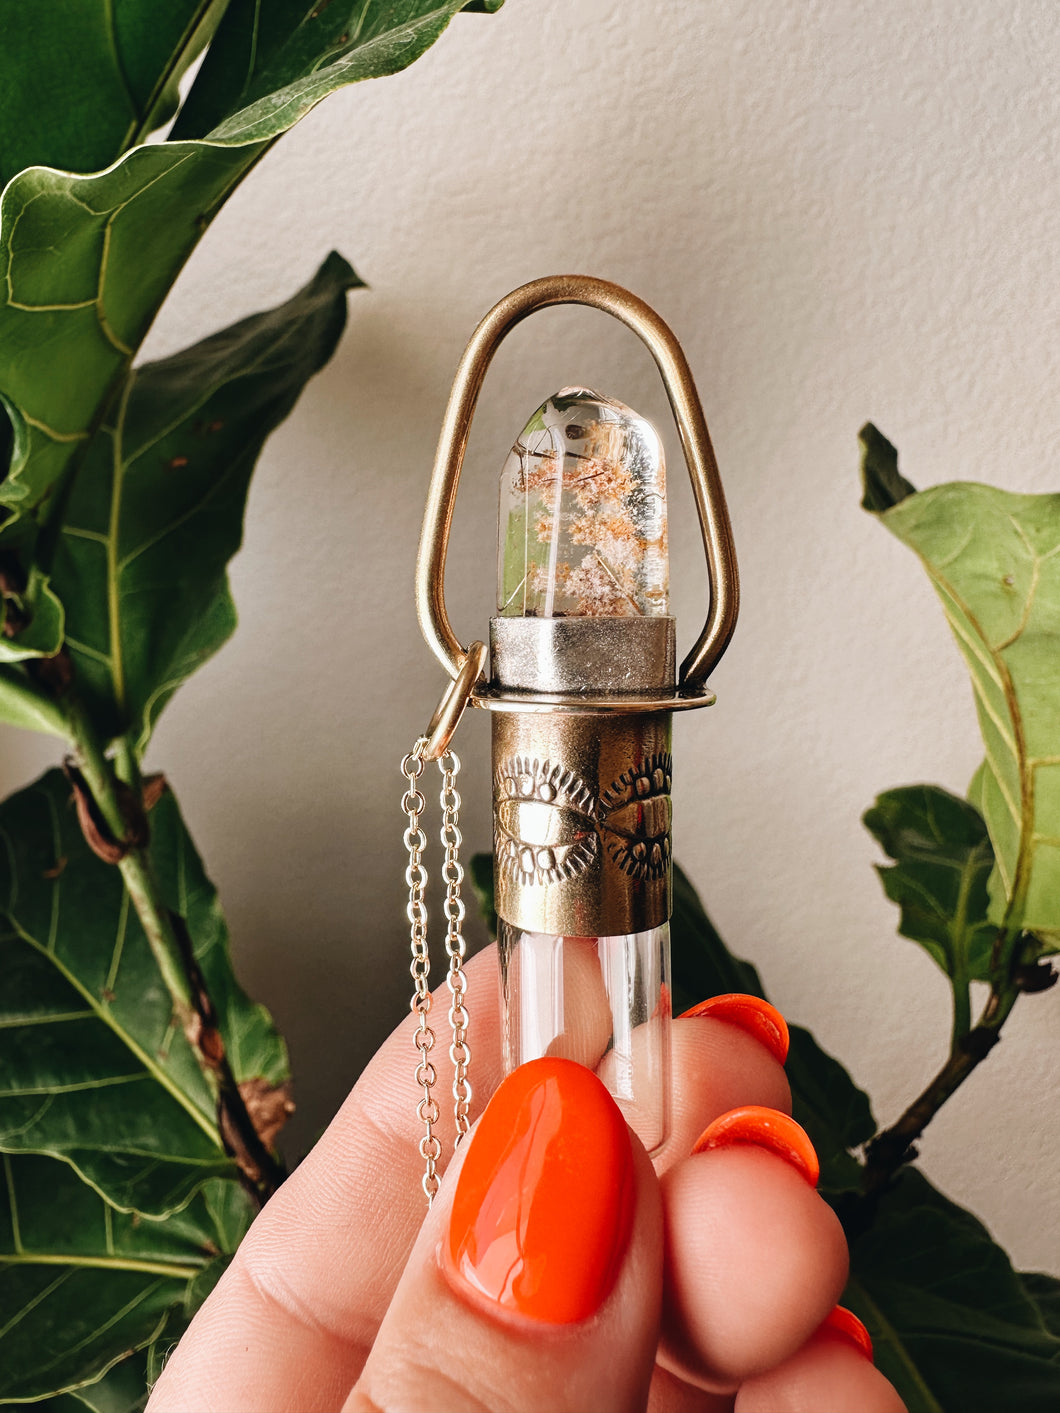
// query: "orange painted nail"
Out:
[752,1014]
[544,1204]
[768,1129]
[844,1322]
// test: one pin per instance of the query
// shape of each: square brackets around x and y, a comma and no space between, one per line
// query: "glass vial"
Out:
[603,1001]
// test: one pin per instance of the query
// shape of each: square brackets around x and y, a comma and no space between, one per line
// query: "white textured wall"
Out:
[847,211]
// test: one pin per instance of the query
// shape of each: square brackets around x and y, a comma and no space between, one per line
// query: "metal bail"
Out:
[699,456]
[442,726]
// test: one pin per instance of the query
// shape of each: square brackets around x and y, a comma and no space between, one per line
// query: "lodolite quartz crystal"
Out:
[583,513]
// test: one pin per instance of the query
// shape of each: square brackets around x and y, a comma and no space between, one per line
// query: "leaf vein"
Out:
[152,1067]
[11,1022]
[12,1202]
[119,945]
[30,1305]
[75,1086]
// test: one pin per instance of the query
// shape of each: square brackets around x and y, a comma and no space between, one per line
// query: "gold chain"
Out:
[416,877]
[453,874]
[413,804]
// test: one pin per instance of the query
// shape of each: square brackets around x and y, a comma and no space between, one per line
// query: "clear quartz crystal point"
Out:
[583,514]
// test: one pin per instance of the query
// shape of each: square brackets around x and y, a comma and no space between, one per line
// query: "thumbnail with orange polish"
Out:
[544,1204]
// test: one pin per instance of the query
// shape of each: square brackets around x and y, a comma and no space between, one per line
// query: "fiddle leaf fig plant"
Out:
[977,882]
[144,1090]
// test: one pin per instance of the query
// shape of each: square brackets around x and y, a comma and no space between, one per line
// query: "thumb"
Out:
[536,1279]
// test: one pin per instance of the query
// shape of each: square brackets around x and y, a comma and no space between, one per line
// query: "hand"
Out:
[558,1270]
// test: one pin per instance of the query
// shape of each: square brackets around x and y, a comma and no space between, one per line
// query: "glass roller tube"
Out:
[583,534]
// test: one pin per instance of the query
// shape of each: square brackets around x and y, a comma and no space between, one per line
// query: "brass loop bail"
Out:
[442,726]
[695,442]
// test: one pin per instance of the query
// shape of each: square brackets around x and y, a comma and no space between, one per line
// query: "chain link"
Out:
[413,804]
[453,875]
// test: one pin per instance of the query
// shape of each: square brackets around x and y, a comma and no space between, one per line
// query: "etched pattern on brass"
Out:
[634,813]
[550,826]
[546,827]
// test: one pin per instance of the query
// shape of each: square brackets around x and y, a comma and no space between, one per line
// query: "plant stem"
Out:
[171,947]
[962,1008]
[126,765]
[894,1146]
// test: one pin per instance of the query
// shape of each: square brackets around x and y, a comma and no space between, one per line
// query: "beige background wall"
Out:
[847,211]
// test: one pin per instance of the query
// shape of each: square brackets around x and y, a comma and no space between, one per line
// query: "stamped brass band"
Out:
[582,802]
[582,822]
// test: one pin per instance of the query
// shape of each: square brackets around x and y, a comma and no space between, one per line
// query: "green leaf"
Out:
[955,1329]
[825,1100]
[943,859]
[271,61]
[1044,1290]
[79,83]
[43,634]
[83,1287]
[254,1046]
[96,1073]
[883,484]
[994,560]
[85,261]
[157,508]
[23,703]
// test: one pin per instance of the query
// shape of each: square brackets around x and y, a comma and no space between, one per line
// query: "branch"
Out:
[895,1145]
[123,840]
[962,1007]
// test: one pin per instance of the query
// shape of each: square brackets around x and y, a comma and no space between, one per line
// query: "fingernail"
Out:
[767,1128]
[844,1322]
[544,1204]
[752,1014]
